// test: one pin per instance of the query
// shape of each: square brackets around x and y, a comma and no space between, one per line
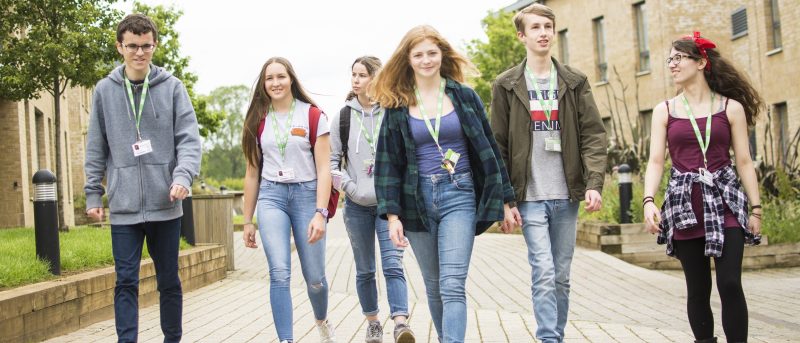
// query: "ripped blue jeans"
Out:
[284,210]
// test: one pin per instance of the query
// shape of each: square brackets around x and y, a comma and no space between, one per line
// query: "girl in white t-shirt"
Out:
[289,180]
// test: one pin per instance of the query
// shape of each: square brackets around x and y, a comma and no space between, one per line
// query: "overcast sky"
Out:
[229,40]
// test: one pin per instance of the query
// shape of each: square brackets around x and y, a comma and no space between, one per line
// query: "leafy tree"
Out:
[225,158]
[168,55]
[48,45]
[500,53]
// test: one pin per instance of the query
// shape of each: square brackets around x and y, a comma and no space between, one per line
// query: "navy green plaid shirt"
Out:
[677,213]
[397,172]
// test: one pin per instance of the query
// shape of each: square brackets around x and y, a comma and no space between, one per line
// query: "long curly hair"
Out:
[723,78]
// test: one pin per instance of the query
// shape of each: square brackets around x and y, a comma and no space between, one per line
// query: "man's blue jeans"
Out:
[284,211]
[444,251]
[549,227]
[363,225]
[163,242]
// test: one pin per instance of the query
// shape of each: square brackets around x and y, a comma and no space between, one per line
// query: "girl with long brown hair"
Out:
[705,211]
[288,182]
[439,178]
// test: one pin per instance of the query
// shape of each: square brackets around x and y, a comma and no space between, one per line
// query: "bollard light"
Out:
[45,217]
[625,193]
[223,189]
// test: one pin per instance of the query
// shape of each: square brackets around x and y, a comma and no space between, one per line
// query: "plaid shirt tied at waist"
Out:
[677,211]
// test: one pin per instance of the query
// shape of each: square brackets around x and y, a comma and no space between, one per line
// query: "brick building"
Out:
[28,142]
[634,37]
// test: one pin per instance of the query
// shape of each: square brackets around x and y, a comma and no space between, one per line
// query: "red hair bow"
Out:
[702,44]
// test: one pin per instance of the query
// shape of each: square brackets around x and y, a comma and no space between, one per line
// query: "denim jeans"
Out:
[285,210]
[363,224]
[549,227]
[444,251]
[163,241]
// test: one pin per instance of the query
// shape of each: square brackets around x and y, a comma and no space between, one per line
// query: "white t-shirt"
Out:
[297,164]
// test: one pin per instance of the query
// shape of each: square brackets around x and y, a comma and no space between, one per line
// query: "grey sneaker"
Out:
[403,334]
[374,332]
[326,333]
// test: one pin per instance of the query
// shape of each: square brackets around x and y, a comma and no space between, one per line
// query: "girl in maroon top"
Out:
[711,89]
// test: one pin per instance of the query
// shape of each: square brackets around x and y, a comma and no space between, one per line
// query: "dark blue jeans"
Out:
[163,240]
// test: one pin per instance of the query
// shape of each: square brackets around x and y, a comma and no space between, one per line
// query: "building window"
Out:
[563,46]
[600,50]
[782,128]
[739,23]
[641,36]
[774,24]
[646,121]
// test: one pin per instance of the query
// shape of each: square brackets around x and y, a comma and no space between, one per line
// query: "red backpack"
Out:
[314,113]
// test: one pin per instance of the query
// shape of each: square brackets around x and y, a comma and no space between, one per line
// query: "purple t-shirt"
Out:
[684,149]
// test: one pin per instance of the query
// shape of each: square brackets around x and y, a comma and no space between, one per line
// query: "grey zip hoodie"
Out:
[138,187]
[357,185]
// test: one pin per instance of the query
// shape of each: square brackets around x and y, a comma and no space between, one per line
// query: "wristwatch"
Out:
[323,211]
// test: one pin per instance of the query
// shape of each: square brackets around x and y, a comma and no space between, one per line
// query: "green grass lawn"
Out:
[82,248]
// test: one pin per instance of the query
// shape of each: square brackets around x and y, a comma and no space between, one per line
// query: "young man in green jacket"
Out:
[553,142]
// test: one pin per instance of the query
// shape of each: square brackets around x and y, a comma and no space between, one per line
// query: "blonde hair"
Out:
[537,9]
[394,85]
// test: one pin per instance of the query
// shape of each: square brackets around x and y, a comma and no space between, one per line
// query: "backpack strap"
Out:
[344,133]
[313,121]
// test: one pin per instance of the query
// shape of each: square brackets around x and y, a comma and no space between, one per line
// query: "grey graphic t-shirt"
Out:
[547,167]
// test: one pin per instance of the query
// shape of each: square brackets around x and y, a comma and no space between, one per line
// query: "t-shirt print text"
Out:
[538,115]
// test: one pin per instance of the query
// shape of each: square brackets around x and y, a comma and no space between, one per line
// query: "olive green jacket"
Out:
[583,136]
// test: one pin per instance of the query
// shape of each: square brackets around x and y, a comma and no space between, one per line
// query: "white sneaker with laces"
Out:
[326,332]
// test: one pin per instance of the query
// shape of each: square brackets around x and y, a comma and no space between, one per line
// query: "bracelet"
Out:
[248,223]
[755,207]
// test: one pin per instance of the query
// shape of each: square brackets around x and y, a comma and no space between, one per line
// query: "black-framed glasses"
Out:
[677,58]
[133,48]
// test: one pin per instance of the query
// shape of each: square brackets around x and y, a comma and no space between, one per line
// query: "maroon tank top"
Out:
[684,149]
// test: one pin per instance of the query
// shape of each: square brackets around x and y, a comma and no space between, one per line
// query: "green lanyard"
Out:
[138,114]
[549,109]
[434,131]
[282,140]
[703,144]
[369,137]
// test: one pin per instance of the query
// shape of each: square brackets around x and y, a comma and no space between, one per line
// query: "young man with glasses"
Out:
[553,142]
[143,138]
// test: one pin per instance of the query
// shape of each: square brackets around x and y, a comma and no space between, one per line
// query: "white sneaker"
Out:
[326,332]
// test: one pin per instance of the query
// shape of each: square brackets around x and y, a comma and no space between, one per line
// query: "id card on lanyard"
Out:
[282,140]
[552,144]
[370,137]
[141,146]
[706,176]
[449,158]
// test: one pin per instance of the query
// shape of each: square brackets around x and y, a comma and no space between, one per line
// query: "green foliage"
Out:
[500,53]
[781,221]
[224,158]
[82,248]
[609,213]
[44,41]
[168,55]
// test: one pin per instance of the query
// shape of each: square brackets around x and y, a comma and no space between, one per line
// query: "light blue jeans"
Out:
[363,225]
[285,209]
[549,227]
[444,251]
